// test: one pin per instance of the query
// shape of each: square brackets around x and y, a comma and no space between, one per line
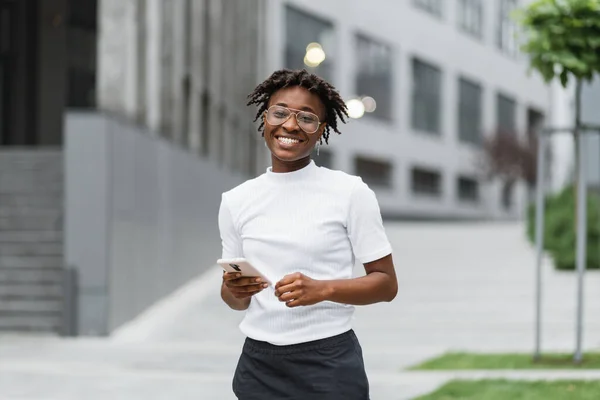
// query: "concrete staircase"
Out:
[31,241]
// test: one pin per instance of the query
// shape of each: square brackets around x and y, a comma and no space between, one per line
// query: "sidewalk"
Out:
[462,287]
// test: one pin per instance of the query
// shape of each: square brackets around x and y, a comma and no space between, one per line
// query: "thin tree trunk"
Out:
[577,138]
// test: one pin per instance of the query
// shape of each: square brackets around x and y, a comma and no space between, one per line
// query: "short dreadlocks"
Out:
[335,107]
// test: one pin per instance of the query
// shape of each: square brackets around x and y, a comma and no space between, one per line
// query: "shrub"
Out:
[560,236]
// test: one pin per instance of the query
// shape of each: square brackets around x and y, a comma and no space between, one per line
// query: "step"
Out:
[31,291]
[31,275]
[30,322]
[27,184]
[43,201]
[31,249]
[8,305]
[36,175]
[31,158]
[24,223]
[31,236]
[30,261]
[32,212]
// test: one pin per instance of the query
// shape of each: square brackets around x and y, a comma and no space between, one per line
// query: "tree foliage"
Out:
[506,157]
[560,229]
[562,38]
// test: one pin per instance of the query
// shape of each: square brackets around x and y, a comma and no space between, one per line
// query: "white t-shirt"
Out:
[315,221]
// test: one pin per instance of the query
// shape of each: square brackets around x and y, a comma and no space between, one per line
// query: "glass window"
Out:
[3,113]
[7,53]
[426,182]
[507,195]
[426,97]
[507,28]
[535,122]
[470,17]
[374,172]
[469,112]
[506,114]
[431,6]
[374,75]
[309,43]
[468,189]
[81,51]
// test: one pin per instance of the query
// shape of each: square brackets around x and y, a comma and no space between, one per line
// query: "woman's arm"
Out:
[379,285]
[233,302]
[236,291]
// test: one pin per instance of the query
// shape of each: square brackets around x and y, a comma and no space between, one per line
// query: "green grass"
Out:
[470,361]
[499,389]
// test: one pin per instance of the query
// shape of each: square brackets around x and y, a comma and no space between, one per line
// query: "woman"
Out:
[303,226]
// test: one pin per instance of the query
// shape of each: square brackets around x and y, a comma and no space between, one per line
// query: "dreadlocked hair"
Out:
[335,107]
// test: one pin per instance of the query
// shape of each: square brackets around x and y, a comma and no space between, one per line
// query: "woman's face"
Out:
[287,141]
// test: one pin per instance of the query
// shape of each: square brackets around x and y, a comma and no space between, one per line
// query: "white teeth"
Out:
[288,141]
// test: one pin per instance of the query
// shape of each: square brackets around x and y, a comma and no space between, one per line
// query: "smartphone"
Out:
[243,266]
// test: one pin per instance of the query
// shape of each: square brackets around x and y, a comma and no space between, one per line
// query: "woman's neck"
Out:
[288,166]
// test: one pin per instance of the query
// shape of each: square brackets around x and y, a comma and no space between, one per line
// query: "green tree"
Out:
[562,39]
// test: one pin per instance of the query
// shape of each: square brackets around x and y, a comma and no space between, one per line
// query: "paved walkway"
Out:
[462,287]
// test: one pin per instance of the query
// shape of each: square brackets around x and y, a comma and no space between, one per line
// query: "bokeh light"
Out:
[356,108]
[369,103]
[315,55]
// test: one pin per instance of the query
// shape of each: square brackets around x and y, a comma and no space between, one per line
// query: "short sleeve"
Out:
[230,238]
[365,225]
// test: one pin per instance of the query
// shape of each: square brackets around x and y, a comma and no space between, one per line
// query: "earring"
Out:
[318,147]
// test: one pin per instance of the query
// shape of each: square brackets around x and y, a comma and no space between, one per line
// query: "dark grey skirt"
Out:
[326,369]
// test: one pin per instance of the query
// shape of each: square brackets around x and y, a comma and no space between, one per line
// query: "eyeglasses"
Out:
[307,121]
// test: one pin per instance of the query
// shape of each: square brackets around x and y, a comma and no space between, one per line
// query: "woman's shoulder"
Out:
[245,189]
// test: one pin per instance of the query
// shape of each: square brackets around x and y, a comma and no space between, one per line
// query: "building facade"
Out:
[562,167]
[183,69]
[443,75]
[180,68]
[590,115]
[121,123]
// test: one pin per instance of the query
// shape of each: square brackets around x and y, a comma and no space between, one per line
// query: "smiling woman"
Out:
[302,226]
[298,111]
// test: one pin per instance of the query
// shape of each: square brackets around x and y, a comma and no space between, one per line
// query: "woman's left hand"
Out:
[300,290]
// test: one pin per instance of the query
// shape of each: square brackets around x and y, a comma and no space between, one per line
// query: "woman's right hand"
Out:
[243,287]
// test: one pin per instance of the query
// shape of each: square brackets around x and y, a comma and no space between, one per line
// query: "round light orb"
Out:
[308,63]
[314,45]
[356,108]
[315,55]
[369,103]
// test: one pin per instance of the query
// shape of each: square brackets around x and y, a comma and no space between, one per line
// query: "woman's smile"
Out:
[287,142]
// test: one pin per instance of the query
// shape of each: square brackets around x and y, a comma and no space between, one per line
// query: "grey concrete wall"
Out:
[86,216]
[590,114]
[141,217]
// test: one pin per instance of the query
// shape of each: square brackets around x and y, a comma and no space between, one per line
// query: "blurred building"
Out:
[121,123]
[442,74]
[590,115]
[563,146]
[563,166]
